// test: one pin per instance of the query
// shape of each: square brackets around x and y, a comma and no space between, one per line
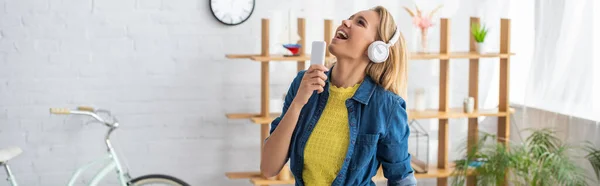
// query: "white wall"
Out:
[159,65]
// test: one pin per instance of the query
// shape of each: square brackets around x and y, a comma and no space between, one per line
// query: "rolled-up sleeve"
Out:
[392,150]
[289,97]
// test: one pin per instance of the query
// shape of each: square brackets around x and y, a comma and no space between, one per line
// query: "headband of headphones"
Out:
[395,37]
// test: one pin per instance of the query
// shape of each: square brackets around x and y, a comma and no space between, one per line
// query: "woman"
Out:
[338,126]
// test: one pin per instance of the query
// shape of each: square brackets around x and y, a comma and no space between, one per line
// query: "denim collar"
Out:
[365,90]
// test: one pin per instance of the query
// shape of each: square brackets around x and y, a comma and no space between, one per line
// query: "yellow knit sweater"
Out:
[327,145]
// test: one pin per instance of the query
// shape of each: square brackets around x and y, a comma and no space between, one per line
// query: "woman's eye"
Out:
[361,22]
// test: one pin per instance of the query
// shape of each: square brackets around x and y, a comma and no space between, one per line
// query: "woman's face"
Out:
[354,35]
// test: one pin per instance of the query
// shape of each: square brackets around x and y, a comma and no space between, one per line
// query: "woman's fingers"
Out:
[315,78]
[322,76]
[319,74]
[318,81]
[318,88]
[317,67]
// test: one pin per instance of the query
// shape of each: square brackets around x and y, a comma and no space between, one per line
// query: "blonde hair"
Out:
[391,74]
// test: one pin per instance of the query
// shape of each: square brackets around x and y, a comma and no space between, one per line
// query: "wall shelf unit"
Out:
[265,117]
[444,168]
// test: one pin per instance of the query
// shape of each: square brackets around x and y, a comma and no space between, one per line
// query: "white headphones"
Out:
[379,51]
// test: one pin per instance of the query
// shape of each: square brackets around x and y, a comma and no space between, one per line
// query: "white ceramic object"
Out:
[469,105]
[419,99]
[481,48]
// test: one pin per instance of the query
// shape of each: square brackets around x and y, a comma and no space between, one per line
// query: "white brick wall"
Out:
[157,64]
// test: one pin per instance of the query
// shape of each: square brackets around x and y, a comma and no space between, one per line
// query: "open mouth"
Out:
[341,35]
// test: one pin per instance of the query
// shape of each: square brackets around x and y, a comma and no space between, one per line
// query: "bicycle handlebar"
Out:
[89,111]
[60,111]
[86,108]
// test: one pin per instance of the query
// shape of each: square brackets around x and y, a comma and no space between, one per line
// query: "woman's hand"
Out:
[313,79]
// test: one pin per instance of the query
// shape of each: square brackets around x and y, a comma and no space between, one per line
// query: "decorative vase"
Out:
[423,41]
[481,48]
[469,105]
[420,99]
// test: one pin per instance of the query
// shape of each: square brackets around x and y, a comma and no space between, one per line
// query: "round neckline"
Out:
[344,89]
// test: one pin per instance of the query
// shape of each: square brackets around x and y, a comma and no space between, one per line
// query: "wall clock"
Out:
[232,12]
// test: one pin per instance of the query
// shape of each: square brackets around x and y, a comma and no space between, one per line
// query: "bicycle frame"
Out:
[11,177]
[111,162]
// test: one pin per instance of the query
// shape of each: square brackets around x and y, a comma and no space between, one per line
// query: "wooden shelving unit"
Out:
[265,117]
[426,114]
[443,169]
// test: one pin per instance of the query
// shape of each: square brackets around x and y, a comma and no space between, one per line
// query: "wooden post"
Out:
[264,81]
[473,129]
[302,32]
[503,102]
[327,36]
[443,99]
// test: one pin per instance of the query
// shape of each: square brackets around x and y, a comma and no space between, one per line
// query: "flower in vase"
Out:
[423,22]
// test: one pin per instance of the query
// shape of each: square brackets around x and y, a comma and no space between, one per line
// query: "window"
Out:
[556,68]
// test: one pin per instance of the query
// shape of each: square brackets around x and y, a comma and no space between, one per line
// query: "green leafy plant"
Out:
[542,159]
[479,32]
[593,157]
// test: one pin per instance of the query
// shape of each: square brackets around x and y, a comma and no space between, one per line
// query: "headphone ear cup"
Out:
[378,52]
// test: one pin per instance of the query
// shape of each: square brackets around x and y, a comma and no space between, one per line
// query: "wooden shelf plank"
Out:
[247,115]
[273,58]
[240,115]
[280,58]
[262,120]
[242,175]
[240,56]
[454,113]
[264,181]
[457,55]
[427,114]
[413,56]
[432,173]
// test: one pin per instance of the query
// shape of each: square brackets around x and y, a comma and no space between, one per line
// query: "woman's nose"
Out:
[347,23]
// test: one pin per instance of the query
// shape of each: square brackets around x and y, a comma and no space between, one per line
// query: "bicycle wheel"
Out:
[157,180]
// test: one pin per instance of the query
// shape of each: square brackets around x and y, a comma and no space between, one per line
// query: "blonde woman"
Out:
[339,125]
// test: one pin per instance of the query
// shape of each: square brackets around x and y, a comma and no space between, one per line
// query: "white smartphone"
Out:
[317,54]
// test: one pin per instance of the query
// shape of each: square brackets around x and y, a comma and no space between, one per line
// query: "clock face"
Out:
[232,12]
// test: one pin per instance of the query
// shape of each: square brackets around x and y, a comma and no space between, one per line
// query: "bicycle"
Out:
[111,160]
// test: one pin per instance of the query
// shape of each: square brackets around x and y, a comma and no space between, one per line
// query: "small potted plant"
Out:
[479,32]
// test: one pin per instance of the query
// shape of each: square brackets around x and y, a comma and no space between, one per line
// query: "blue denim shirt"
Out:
[378,134]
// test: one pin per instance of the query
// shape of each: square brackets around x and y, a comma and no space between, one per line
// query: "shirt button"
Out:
[352,141]
[352,124]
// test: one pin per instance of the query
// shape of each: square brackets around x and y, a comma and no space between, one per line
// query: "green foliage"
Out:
[593,157]
[541,160]
[479,32]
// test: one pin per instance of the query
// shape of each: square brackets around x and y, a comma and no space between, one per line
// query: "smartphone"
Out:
[317,54]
